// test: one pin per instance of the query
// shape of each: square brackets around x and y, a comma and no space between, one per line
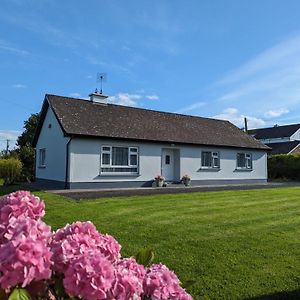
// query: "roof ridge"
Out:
[279,126]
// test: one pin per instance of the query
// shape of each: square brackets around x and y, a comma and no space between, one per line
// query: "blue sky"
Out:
[223,59]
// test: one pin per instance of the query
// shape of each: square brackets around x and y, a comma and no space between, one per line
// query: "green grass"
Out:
[234,244]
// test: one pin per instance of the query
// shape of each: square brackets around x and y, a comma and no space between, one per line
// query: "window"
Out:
[42,158]
[244,161]
[119,159]
[167,160]
[210,159]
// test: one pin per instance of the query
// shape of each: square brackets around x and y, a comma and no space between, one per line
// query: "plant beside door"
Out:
[159,180]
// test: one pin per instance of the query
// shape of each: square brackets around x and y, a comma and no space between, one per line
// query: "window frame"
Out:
[132,151]
[42,162]
[248,157]
[213,155]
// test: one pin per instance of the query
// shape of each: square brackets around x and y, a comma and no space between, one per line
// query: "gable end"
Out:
[46,105]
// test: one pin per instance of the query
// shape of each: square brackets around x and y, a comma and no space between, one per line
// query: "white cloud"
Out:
[10,135]
[19,86]
[265,82]
[7,47]
[75,95]
[125,99]
[272,58]
[234,116]
[191,107]
[152,97]
[276,113]
[128,99]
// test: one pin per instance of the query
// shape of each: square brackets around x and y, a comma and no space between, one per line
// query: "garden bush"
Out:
[284,166]
[10,170]
[74,262]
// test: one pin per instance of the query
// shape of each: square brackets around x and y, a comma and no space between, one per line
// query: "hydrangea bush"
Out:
[75,262]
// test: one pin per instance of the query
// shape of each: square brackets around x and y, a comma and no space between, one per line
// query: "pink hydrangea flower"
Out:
[161,283]
[78,238]
[89,276]
[25,256]
[128,284]
[19,204]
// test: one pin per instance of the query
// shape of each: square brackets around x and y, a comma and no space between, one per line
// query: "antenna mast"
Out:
[101,77]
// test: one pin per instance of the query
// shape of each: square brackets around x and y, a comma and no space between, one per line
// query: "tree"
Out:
[25,150]
[30,125]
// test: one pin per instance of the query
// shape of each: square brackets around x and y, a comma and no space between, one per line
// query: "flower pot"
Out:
[187,182]
[159,183]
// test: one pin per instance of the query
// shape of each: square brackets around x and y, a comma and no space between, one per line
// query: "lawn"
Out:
[234,244]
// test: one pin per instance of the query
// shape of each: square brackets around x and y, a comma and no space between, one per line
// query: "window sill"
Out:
[41,167]
[210,169]
[243,170]
[119,174]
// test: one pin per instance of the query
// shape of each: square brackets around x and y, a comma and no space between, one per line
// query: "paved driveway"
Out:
[78,194]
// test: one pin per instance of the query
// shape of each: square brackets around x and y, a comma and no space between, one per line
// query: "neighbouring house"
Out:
[92,144]
[282,139]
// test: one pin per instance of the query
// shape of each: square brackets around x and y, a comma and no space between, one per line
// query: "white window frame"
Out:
[248,161]
[42,158]
[132,150]
[214,154]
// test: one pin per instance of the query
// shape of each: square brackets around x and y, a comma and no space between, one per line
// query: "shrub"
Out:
[10,170]
[284,166]
[75,262]
[27,157]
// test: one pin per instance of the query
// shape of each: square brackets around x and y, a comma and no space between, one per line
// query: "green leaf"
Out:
[59,286]
[145,257]
[19,294]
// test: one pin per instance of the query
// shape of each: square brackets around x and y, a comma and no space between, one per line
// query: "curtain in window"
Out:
[206,159]
[119,156]
[241,160]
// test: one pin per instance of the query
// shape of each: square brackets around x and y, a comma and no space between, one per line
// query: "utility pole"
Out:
[7,146]
[246,124]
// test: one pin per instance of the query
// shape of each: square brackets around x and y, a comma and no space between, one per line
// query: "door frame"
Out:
[176,163]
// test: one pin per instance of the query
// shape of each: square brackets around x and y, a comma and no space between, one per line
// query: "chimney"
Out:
[98,97]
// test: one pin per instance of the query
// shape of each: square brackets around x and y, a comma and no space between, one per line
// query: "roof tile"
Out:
[85,118]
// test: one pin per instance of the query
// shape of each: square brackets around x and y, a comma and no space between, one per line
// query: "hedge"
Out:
[284,166]
[10,170]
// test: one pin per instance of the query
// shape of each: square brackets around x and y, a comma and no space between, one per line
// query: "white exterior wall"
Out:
[53,140]
[191,164]
[85,162]
[275,140]
[296,136]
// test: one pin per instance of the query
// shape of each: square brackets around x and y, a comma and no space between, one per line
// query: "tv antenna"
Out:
[101,77]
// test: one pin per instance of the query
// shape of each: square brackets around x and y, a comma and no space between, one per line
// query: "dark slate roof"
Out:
[283,148]
[274,132]
[87,119]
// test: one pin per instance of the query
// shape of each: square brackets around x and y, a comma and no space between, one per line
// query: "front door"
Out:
[167,166]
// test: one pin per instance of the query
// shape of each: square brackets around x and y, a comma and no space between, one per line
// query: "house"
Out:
[282,139]
[92,144]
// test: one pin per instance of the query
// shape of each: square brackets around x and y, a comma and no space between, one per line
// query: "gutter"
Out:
[67,164]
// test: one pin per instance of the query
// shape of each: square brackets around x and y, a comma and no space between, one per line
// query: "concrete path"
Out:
[78,194]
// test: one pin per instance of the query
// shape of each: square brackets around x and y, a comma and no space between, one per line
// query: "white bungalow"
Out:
[92,144]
